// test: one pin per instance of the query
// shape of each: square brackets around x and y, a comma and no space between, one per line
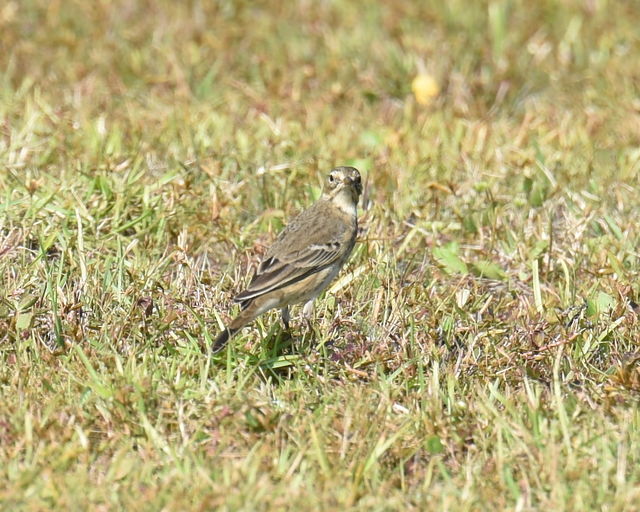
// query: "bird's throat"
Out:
[344,201]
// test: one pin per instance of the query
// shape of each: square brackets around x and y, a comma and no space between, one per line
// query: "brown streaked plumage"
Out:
[305,257]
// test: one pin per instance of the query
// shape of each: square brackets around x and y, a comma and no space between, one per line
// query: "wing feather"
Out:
[275,273]
[304,247]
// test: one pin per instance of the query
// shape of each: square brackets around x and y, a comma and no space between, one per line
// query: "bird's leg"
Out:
[307,312]
[285,317]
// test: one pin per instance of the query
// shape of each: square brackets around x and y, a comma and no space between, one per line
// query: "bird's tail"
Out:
[245,317]
[222,339]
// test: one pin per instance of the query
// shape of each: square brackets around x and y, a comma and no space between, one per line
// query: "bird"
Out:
[305,257]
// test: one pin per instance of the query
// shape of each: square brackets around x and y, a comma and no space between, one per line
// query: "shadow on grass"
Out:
[276,355]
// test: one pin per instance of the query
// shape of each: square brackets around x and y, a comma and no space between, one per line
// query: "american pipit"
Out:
[305,257]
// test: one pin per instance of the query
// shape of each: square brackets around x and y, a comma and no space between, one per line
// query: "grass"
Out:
[480,350]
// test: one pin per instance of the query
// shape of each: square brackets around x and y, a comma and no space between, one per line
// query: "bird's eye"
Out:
[331,178]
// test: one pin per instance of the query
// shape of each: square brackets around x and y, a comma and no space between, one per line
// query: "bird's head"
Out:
[344,187]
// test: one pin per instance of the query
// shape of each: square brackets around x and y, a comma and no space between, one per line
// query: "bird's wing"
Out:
[302,249]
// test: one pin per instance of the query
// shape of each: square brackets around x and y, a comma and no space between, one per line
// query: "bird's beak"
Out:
[358,185]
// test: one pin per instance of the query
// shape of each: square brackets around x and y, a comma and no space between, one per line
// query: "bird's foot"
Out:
[286,317]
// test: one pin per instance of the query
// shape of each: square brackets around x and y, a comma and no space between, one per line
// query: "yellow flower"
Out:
[425,88]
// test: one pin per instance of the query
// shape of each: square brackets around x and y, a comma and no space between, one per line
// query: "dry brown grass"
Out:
[480,351]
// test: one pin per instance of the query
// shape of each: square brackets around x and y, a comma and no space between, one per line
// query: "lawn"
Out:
[479,351]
